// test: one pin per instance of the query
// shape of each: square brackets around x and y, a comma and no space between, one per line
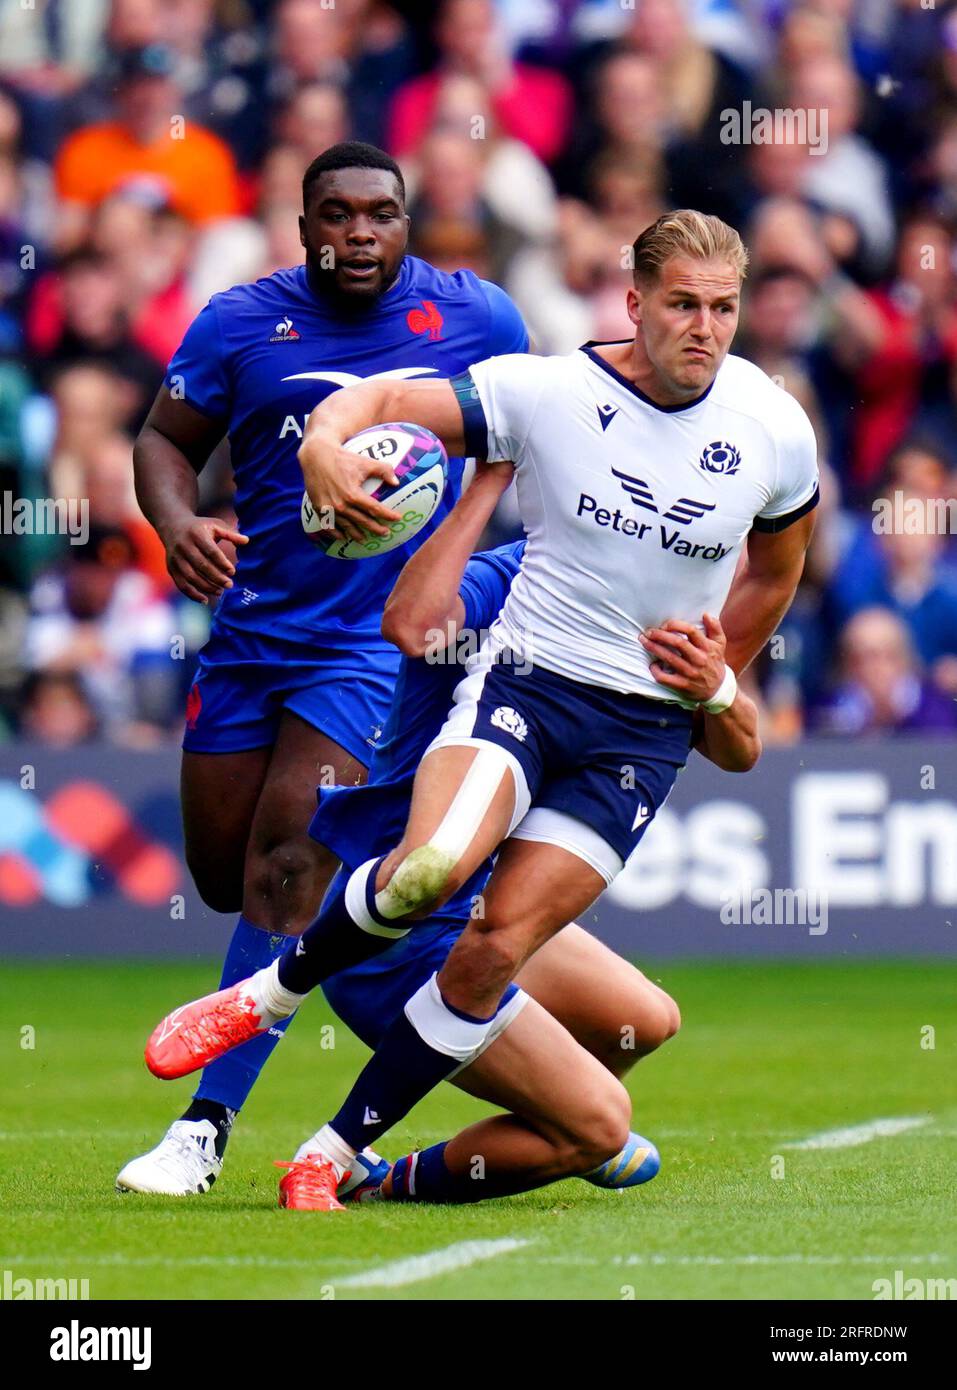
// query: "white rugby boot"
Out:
[184,1162]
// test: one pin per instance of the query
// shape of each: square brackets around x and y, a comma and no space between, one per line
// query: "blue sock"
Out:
[405,1067]
[231,1077]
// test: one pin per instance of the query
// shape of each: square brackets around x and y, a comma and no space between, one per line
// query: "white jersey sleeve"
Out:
[509,390]
[795,489]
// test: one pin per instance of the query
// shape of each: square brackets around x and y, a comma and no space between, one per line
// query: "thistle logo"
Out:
[284,332]
[720,458]
[511,722]
[426,320]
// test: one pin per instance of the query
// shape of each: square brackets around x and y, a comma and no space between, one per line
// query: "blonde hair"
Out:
[686,232]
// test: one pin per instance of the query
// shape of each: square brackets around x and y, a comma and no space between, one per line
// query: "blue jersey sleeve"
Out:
[507,331]
[486,582]
[198,371]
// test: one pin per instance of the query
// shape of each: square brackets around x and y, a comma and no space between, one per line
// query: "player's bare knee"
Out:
[600,1129]
[503,945]
[288,871]
[220,891]
[658,1021]
[672,1017]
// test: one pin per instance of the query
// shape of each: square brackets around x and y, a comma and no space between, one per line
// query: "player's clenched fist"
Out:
[689,661]
[199,556]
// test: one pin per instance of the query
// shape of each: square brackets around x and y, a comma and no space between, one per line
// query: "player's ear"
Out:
[302,230]
[633,304]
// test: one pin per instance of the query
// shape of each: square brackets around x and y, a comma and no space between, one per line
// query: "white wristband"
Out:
[723,697]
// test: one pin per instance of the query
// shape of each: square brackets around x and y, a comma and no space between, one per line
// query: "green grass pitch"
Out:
[769,1055]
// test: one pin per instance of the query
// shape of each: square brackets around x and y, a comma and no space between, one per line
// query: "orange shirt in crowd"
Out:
[197,174]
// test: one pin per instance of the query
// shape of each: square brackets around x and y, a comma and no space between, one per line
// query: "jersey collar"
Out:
[589,350]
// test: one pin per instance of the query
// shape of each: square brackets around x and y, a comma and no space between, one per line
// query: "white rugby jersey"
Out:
[634,512]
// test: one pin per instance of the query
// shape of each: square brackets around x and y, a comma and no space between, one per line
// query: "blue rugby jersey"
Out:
[259,358]
[357,823]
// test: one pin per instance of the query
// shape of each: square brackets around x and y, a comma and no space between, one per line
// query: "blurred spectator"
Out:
[880,687]
[575,290]
[364,48]
[150,248]
[149,144]
[56,710]
[91,403]
[85,322]
[530,104]
[108,488]
[554,35]
[848,177]
[315,117]
[903,365]
[906,573]
[626,121]
[698,82]
[97,618]
[698,85]
[452,225]
[515,184]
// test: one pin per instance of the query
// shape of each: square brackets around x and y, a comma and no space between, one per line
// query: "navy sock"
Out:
[231,1077]
[402,1070]
[332,943]
[424,1177]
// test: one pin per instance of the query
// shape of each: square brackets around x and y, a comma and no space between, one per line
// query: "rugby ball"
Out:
[420,463]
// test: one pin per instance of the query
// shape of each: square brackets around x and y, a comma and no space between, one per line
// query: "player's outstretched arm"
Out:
[424,611]
[168,456]
[334,477]
[763,589]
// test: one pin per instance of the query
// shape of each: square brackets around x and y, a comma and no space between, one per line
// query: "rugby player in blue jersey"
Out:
[578,1016]
[293,686]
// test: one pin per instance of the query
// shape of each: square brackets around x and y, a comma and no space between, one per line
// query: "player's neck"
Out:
[630,361]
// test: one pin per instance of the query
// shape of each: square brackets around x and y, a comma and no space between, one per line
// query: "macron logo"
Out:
[606,413]
[641,815]
[371,1117]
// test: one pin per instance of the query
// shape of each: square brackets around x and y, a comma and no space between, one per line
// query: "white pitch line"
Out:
[855,1135]
[428,1266]
[15,1135]
[122,1261]
[795,1259]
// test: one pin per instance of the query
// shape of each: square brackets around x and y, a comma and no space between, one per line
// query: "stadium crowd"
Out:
[151,154]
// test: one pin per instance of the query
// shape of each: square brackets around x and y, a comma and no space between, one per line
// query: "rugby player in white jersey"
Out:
[646,470]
